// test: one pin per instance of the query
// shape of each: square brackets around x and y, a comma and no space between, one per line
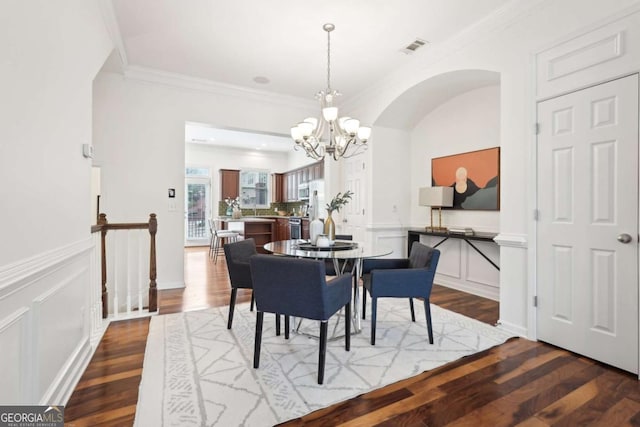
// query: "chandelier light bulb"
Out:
[330,113]
[313,121]
[296,134]
[306,129]
[351,126]
[364,133]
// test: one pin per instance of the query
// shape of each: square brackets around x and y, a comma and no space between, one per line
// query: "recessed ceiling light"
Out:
[261,80]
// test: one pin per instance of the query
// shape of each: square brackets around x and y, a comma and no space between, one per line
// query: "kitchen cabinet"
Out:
[317,171]
[305,228]
[229,183]
[292,186]
[279,188]
[304,175]
[282,229]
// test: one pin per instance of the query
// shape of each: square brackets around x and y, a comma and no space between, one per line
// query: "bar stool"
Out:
[218,238]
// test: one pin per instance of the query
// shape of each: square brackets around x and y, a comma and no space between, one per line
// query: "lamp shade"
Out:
[436,196]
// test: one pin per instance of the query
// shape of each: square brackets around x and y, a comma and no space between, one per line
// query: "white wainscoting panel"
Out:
[48,332]
[14,356]
[59,315]
[461,267]
[596,56]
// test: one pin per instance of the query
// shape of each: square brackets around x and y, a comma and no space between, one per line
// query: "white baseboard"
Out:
[170,285]
[479,290]
[512,328]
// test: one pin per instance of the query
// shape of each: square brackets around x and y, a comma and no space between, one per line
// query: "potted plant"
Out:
[339,201]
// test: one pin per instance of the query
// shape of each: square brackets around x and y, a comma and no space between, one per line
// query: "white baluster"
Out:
[141,280]
[128,271]
[116,280]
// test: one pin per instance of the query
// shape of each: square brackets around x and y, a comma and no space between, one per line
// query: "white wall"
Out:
[468,122]
[139,143]
[51,52]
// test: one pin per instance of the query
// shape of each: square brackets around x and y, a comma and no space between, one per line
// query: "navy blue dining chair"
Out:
[400,278]
[237,255]
[298,287]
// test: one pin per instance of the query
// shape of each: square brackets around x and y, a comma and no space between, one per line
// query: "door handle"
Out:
[624,238]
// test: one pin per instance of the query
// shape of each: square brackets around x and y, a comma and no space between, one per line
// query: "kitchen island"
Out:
[260,229]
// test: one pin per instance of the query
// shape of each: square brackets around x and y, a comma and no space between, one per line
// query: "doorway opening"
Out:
[198,206]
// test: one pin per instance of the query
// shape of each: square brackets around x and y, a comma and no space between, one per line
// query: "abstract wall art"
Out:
[474,176]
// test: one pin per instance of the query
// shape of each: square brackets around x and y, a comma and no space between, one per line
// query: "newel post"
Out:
[153,291]
[102,221]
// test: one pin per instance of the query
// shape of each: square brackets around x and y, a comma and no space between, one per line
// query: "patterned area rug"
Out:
[196,372]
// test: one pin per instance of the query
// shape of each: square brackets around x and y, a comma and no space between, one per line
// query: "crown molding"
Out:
[111,23]
[181,81]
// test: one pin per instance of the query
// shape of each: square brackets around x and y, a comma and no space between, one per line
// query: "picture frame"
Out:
[475,177]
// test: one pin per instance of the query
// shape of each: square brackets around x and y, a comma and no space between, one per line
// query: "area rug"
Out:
[197,372]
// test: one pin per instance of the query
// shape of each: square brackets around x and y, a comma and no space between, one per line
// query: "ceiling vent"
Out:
[414,45]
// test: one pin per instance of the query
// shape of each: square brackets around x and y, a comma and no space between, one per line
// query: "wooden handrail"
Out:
[103,227]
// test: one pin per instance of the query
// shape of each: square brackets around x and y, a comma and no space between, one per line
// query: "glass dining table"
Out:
[339,252]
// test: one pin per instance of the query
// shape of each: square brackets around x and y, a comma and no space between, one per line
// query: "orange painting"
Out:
[475,177]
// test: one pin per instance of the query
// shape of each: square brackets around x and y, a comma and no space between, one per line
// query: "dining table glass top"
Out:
[302,249]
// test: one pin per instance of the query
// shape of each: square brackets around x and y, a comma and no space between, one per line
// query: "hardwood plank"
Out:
[518,383]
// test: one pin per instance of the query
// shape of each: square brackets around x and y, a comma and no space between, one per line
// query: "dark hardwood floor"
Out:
[518,383]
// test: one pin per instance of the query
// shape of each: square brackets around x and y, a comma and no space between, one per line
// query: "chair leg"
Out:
[323,350]
[427,310]
[347,326]
[253,300]
[374,309]
[364,303]
[413,313]
[258,340]
[216,248]
[287,327]
[277,324]
[232,306]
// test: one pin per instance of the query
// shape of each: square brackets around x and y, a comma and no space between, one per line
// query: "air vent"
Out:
[414,45]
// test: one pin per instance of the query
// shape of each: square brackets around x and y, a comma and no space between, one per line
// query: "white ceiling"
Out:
[233,42]
[199,133]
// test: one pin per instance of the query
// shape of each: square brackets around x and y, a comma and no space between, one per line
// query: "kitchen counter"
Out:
[248,219]
[260,229]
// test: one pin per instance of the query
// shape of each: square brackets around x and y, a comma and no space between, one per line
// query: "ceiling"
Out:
[280,46]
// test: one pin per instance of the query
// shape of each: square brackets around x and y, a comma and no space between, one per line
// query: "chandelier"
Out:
[346,137]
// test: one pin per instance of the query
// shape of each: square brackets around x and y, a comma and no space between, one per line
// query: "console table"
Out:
[414,236]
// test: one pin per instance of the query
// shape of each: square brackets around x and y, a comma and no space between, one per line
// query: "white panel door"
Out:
[587,274]
[353,215]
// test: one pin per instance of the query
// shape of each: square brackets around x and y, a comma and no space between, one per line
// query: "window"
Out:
[254,188]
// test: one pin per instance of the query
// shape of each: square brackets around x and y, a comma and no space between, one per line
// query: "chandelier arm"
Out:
[311,149]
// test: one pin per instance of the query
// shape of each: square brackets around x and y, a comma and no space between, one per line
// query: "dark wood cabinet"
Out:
[304,175]
[292,186]
[229,183]
[305,228]
[261,233]
[282,229]
[279,188]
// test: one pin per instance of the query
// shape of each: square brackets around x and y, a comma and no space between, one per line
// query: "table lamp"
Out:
[436,197]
